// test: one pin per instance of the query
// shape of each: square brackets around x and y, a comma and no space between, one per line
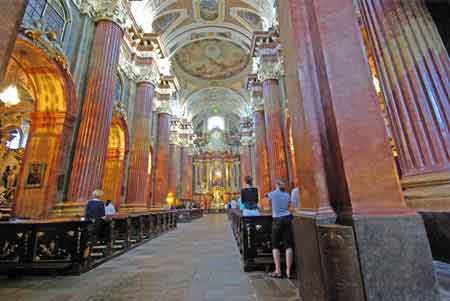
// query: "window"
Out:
[51,12]
[216,122]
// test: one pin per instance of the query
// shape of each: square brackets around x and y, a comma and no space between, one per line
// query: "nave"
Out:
[197,261]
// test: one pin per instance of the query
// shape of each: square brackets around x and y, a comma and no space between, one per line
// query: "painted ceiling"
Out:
[212,59]
[207,43]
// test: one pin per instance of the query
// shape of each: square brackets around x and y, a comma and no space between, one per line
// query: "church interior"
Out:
[167,107]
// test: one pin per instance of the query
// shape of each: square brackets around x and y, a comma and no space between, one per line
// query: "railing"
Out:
[73,245]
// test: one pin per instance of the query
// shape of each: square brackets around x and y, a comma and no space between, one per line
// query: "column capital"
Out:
[162,107]
[270,67]
[149,74]
[111,10]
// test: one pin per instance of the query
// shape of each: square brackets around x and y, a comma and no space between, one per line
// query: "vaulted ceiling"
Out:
[208,44]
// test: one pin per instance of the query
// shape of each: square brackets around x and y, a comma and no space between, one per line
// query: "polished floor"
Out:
[197,261]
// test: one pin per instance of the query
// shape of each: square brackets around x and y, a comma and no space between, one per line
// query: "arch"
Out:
[117,153]
[51,127]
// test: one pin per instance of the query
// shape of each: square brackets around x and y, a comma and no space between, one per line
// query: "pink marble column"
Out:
[160,188]
[414,70]
[92,140]
[140,149]
[186,174]
[360,174]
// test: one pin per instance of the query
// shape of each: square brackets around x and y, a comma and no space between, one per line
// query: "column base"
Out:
[395,258]
[428,192]
[437,225]
[312,283]
[68,209]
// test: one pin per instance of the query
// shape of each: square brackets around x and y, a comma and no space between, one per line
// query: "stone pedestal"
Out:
[140,149]
[92,141]
[413,65]
[350,160]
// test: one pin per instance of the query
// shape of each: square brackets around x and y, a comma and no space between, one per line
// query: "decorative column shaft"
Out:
[261,156]
[174,160]
[413,66]
[342,117]
[96,116]
[162,160]
[140,149]
[268,74]
[11,13]
[186,174]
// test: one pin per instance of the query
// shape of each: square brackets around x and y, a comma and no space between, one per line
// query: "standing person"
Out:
[109,208]
[95,209]
[281,228]
[295,196]
[249,198]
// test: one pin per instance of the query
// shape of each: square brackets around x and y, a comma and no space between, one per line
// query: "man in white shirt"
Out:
[295,197]
[109,208]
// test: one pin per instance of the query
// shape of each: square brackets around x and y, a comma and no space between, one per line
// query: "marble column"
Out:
[186,173]
[269,71]
[11,14]
[246,165]
[161,186]
[340,115]
[259,126]
[96,115]
[141,141]
[413,67]
[174,163]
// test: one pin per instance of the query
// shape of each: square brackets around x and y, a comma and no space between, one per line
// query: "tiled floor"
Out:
[197,261]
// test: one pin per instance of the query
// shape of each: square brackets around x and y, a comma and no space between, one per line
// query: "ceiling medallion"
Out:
[209,10]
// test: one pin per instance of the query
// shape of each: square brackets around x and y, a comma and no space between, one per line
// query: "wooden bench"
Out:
[253,237]
[74,245]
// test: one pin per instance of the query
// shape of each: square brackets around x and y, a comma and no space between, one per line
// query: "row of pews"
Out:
[253,238]
[73,245]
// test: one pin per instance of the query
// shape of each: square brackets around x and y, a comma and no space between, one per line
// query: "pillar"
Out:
[11,14]
[92,140]
[246,164]
[413,67]
[160,187]
[341,116]
[186,173]
[259,126]
[269,72]
[174,163]
[141,141]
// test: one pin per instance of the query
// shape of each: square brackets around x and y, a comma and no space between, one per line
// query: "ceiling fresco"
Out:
[212,59]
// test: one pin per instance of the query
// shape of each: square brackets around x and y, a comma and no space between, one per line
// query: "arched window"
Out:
[216,122]
[51,12]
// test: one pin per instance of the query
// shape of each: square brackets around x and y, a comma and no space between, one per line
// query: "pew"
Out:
[253,238]
[73,245]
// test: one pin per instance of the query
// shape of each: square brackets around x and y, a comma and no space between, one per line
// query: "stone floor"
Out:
[197,261]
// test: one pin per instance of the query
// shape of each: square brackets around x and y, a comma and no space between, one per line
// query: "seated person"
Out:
[95,209]
[249,198]
[109,208]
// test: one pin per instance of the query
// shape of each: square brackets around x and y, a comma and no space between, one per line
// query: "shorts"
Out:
[282,232]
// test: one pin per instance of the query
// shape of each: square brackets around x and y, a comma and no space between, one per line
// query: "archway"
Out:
[114,172]
[51,104]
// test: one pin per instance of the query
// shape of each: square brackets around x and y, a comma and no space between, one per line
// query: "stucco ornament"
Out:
[112,10]
[148,74]
[270,67]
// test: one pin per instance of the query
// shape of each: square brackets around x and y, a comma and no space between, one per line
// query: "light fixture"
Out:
[10,96]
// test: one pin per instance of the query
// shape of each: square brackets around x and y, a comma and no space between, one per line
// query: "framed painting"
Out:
[35,177]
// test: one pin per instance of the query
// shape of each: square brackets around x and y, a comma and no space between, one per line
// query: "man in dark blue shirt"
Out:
[95,208]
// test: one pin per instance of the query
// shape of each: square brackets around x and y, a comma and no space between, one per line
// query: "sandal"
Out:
[275,275]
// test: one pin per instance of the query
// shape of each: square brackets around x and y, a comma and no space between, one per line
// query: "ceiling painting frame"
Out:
[196,5]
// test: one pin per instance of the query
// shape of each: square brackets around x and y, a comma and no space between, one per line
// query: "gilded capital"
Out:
[149,74]
[112,10]
[270,67]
